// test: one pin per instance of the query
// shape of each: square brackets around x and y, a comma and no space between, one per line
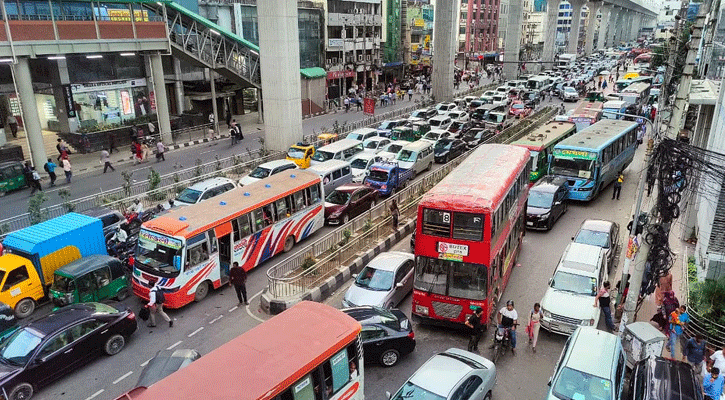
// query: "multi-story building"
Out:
[563,24]
[394,32]
[420,22]
[532,29]
[479,33]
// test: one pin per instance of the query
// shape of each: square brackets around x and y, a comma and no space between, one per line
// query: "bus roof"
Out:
[588,109]
[545,135]
[191,220]
[637,87]
[264,361]
[597,135]
[494,168]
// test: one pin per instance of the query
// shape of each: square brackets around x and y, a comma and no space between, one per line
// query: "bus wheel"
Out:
[201,291]
[288,243]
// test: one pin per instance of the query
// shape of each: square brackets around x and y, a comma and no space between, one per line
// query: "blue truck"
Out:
[387,177]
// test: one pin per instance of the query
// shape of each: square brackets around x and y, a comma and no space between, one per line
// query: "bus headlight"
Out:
[421,309]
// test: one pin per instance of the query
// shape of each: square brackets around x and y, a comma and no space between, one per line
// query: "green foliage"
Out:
[368,225]
[65,195]
[308,263]
[708,299]
[110,199]
[126,182]
[35,210]
[347,234]
[154,193]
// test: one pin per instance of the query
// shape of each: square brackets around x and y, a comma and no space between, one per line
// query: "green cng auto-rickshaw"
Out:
[420,128]
[92,278]
[11,176]
[403,133]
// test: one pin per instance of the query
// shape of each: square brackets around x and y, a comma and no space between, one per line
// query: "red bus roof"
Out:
[265,360]
[588,109]
[480,182]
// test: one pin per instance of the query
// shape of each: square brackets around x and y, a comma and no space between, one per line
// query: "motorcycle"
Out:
[134,221]
[501,342]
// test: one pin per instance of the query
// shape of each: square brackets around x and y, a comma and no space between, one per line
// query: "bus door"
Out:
[224,238]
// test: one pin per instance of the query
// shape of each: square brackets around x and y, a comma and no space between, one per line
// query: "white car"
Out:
[440,122]
[501,100]
[375,144]
[445,108]
[434,135]
[204,190]
[570,94]
[487,96]
[360,164]
[502,90]
[458,115]
[267,169]
[384,282]
[362,134]
[391,151]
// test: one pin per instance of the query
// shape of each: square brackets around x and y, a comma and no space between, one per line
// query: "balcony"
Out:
[337,19]
[353,44]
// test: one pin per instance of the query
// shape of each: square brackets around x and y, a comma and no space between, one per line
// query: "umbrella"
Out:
[605,72]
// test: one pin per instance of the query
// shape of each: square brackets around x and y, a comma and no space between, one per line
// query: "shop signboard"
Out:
[108,85]
[69,103]
[340,74]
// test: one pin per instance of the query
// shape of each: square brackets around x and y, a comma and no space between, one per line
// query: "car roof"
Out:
[349,188]
[276,163]
[165,363]
[583,341]
[210,183]
[62,317]
[390,260]
[581,257]
[440,117]
[364,131]
[441,374]
[549,183]
[597,225]
[671,376]
[327,166]
[364,156]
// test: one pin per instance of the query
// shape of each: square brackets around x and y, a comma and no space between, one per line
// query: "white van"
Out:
[334,173]
[417,156]
[343,149]
[569,299]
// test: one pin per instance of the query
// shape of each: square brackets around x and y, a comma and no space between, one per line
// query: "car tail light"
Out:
[131,315]
[411,335]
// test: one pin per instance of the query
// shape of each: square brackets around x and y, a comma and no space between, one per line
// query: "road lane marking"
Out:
[195,332]
[146,362]
[249,311]
[124,376]
[233,308]
[95,394]
[215,319]
[174,345]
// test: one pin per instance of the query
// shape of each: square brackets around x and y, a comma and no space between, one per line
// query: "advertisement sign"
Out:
[335,42]
[69,103]
[632,248]
[340,74]
[108,85]
[166,241]
[126,102]
[575,154]
[369,106]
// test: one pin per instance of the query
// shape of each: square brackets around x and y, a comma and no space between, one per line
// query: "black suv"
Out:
[659,378]
[386,334]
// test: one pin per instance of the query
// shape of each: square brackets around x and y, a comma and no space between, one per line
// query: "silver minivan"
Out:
[417,156]
[343,149]
[334,173]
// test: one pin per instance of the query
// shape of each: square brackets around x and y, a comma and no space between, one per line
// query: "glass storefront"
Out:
[111,103]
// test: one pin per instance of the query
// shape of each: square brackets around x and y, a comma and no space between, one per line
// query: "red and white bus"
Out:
[586,113]
[308,352]
[191,248]
[468,235]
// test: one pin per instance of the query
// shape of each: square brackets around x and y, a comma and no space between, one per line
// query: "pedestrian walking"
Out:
[106,160]
[678,319]
[712,385]
[67,169]
[229,119]
[28,174]
[717,360]
[532,329]
[13,123]
[144,151]
[694,353]
[152,129]
[160,149]
[410,94]
[603,301]
[62,148]
[50,169]
[474,323]
[395,213]
[238,129]
[618,186]
[36,180]
[238,278]
[156,305]
[112,143]
[346,103]
[359,102]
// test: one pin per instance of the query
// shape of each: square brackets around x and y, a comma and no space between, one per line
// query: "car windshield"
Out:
[355,136]
[594,238]
[372,144]
[431,136]
[156,251]
[338,198]
[579,168]
[359,163]
[410,391]
[575,385]
[574,283]
[540,199]
[569,90]
[388,124]
[518,106]
[418,114]
[375,279]
[322,156]
[62,284]
[187,195]
[18,348]
[393,148]
[407,155]
[259,173]
[295,153]
[443,144]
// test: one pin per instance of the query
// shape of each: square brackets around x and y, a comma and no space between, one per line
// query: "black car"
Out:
[476,136]
[547,202]
[447,149]
[659,378]
[459,128]
[44,350]
[531,98]
[386,334]
[165,363]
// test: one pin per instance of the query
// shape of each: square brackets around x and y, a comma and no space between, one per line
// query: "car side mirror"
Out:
[557,203]
[572,238]
[550,379]
[354,276]
[388,395]
[550,281]
[399,285]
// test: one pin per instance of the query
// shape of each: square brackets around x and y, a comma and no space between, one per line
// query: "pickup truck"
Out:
[33,254]
[387,177]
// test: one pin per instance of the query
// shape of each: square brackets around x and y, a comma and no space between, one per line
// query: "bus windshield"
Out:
[534,160]
[467,280]
[572,167]
[157,252]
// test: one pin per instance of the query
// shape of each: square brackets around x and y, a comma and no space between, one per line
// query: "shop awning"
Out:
[313,73]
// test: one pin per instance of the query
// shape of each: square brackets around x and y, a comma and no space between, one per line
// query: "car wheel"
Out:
[389,357]
[288,243]
[24,308]
[114,344]
[445,160]
[488,396]
[23,391]
[122,294]
[201,291]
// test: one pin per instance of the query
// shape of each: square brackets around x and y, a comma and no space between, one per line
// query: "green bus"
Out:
[541,144]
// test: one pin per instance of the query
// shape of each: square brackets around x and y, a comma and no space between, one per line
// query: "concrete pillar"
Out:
[31,121]
[552,14]
[280,65]
[575,24]
[445,44]
[214,101]
[162,103]
[613,29]
[178,87]
[602,36]
[512,44]
[61,85]
[591,25]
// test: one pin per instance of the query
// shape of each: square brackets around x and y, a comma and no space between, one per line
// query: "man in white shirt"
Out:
[508,318]
[717,360]
[156,307]
[118,239]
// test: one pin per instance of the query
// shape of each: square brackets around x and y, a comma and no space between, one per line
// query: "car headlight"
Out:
[545,216]
[421,309]
[335,214]
[587,322]
[546,313]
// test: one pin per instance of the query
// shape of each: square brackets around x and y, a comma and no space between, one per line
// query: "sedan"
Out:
[547,202]
[448,149]
[458,115]
[519,110]
[600,233]
[386,127]
[459,128]
[476,136]
[391,151]
[424,113]
[51,347]
[384,282]
[360,165]
[445,108]
[434,135]
[570,94]
[347,202]
[452,374]
[386,335]
[165,363]
[375,144]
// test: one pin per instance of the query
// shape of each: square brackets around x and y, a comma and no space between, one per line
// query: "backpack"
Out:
[45,167]
[160,299]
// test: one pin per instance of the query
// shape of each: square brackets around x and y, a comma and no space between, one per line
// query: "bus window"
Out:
[468,226]
[436,222]
[282,209]
[268,215]
[258,219]
[299,201]
[337,371]
[212,240]
[245,229]
[315,190]
[197,254]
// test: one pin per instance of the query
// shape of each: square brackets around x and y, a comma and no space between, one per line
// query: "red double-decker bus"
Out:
[469,233]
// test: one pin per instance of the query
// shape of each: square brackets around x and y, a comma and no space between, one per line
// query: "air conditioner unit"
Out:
[334,60]
[359,57]
[368,57]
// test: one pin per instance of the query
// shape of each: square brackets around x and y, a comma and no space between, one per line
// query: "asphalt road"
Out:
[206,325]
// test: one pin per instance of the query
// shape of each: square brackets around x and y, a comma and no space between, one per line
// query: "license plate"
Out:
[529,223]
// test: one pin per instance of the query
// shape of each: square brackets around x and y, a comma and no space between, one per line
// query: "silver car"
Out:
[600,233]
[384,282]
[452,374]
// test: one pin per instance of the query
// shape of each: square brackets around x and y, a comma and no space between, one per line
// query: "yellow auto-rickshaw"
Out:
[327,138]
[301,154]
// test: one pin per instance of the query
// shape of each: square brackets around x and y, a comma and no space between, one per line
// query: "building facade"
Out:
[479,27]
[420,23]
